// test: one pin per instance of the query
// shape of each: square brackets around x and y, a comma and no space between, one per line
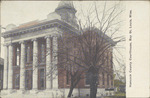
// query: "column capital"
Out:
[6,44]
[22,42]
[10,44]
[35,39]
[55,35]
[48,36]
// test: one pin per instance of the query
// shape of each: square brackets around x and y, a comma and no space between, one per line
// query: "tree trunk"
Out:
[93,85]
[70,92]
[73,85]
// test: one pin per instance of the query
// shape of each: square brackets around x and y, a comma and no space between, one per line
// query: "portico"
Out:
[9,48]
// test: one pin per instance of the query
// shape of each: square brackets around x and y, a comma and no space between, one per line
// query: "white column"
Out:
[5,67]
[48,63]
[35,64]
[55,61]
[10,69]
[22,66]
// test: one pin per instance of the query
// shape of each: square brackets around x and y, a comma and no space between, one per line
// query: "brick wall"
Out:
[73,46]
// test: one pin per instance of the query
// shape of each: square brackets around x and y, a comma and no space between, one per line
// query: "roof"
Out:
[106,37]
[28,24]
[34,26]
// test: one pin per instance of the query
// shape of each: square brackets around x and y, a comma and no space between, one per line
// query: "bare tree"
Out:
[90,50]
[108,24]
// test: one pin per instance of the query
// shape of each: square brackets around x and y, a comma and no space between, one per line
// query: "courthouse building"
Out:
[31,50]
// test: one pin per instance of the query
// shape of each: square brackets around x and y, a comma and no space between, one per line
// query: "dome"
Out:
[65,4]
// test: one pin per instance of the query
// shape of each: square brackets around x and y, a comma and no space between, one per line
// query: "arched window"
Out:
[107,57]
[98,79]
[111,80]
[67,54]
[67,77]
[111,59]
[103,78]
[107,79]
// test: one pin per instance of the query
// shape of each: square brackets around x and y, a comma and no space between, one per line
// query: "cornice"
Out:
[41,26]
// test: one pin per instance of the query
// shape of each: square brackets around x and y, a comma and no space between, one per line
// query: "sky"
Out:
[18,12]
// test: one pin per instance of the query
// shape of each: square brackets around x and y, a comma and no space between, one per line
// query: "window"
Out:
[111,60]
[42,51]
[107,80]
[103,78]
[18,55]
[28,79]
[67,77]
[108,59]
[16,80]
[67,54]
[29,53]
[111,80]
[87,79]
[98,79]
[42,79]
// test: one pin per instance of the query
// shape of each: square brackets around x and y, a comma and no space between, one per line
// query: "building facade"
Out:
[31,57]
